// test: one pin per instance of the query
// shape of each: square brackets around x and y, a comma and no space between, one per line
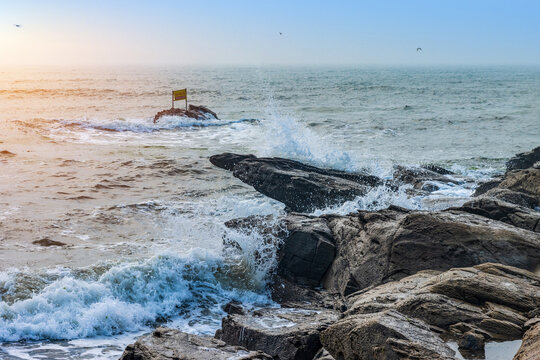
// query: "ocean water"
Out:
[141,210]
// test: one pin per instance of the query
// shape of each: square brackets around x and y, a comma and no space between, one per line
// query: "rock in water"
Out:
[301,187]
[285,333]
[170,344]
[524,160]
[194,112]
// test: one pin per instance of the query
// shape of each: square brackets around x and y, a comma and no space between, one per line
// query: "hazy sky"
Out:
[247,32]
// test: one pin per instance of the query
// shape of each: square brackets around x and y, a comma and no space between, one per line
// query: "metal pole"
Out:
[173,99]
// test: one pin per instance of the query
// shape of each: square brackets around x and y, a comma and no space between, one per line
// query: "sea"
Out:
[111,225]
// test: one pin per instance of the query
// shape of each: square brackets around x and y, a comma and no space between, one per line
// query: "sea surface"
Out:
[141,210]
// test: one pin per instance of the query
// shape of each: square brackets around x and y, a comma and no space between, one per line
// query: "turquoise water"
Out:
[141,209]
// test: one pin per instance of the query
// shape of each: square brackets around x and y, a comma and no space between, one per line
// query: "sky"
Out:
[246,32]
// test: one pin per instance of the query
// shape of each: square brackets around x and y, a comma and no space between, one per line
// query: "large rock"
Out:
[526,181]
[530,348]
[170,344]
[513,197]
[424,178]
[283,333]
[524,160]
[301,187]
[193,111]
[374,247]
[488,302]
[384,335]
[495,209]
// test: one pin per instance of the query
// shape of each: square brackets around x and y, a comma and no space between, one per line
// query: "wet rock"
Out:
[486,186]
[524,160]
[525,181]
[530,348]
[48,242]
[170,344]
[375,247]
[383,335]
[472,344]
[503,211]
[307,251]
[283,333]
[512,197]
[194,112]
[437,169]
[323,354]
[420,178]
[234,307]
[301,187]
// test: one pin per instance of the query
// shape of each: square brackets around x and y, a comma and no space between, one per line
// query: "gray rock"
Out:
[486,186]
[420,177]
[283,333]
[524,160]
[530,348]
[383,335]
[526,181]
[513,197]
[171,344]
[301,187]
[375,247]
[503,211]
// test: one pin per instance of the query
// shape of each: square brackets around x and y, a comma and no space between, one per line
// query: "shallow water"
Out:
[141,209]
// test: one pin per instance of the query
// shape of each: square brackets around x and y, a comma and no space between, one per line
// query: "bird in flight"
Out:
[17,25]
[418,49]
[280,33]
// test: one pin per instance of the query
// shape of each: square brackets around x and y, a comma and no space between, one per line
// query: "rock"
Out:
[525,181]
[437,169]
[486,186]
[512,197]
[170,344]
[194,112]
[523,160]
[307,251]
[291,295]
[488,302]
[421,178]
[530,348]
[302,188]
[503,211]
[6,153]
[234,307]
[323,355]
[283,333]
[384,335]
[375,247]
[48,242]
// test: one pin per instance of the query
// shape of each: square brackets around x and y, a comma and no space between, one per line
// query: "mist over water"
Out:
[141,210]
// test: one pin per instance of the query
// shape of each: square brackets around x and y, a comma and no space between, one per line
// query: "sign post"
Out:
[179,95]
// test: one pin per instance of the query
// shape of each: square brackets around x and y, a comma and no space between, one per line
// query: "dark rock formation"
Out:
[422,178]
[525,181]
[513,197]
[374,247]
[495,209]
[194,112]
[530,348]
[524,160]
[48,242]
[302,188]
[384,335]
[283,333]
[170,344]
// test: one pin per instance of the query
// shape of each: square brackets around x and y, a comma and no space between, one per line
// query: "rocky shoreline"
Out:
[387,284]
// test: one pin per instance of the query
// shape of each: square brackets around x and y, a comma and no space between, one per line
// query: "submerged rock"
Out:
[283,333]
[301,187]
[171,344]
[193,111]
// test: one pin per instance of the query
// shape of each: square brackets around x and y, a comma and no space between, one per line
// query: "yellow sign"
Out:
[179,94]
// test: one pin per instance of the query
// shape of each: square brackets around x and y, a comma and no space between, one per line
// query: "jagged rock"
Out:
[486,186]
[234,307]
[488,302]
[171,344]
[524,160]
[526,181]
[307,251]
[323,355]
[513,197]
[48,242]
[283,333]
[194,112]
[503,211]
[374,247]
[422,178]
[302,188]
[437,169]
[384,335]
[530,348]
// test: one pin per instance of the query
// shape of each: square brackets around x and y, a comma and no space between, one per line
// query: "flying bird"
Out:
[418,49]
[17,25]
[280,33]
